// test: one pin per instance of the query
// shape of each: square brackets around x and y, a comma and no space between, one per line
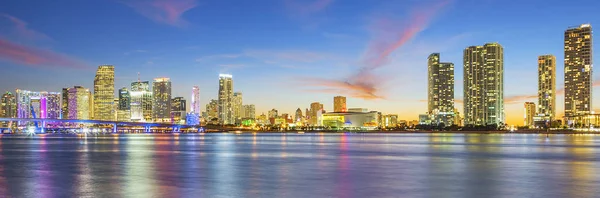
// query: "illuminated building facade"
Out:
[178,108]
[351,120]
[237,106]
[31,104]
[64,113]
[316,109]
[249,111]
[226,99]
[440,88]
[339,104]
[195,108]
[79,103]
[212,110]
[104,93]
[298,116]
[529,114]
[8,106]
[390,121]
[578,70]
[546,86]
[273,113]
[161,106]
[141,101]
[484,85]
[124,105]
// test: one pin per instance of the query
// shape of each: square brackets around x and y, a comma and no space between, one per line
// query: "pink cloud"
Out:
[307,7]
[365,83]
[30,56]
[22,30]
[163,11]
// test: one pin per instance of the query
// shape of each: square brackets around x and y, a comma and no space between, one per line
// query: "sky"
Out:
[285,54]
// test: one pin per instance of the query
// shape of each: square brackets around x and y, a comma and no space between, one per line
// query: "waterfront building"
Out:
[578,71]
[249,111]
[161,106]
[273,113]
[316,109]
[440,89]
[237,106]
[178,108]
[79,103]
[390,121]
[124,105]
[339,104]
[195,108]
[351,120]
[104,93]
[298,116]
[225,107]
[546,87]
[141,101]
[64,113]
[30,104]
[8,108]
[212,110]
[484,85]
[529,114]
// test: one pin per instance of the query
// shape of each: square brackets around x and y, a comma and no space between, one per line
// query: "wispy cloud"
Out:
[135,51]
[163,11]
[306,7]
[281,58]
[35,57]
[21,29]
[365,83]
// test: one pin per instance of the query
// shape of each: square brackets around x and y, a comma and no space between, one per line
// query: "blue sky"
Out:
[283,54]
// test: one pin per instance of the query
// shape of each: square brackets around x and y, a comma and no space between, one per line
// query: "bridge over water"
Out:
[42,125]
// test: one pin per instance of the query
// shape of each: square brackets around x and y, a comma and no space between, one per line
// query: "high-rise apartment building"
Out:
[298,116]
[273,113]
[178,108]
[237,105]
[547,86]
[212,109]
[64,113]
[141,102]
[8,108]
[124,105]
[195,108]
[440,90]
[79,103]
[484,85]
[578,70]
[316,109]
[339,104]
[226,99]
[529,114]
[104,93]
[249,111]
[161,106]
[43,104]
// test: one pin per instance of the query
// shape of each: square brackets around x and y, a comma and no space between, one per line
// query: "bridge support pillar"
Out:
[147,129]
[114,127]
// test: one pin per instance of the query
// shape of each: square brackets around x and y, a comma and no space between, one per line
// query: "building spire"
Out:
[139,77]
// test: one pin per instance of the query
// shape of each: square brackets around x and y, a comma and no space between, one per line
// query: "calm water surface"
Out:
[301,165]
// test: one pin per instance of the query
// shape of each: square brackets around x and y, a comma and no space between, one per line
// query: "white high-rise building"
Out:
[237,105]
[225,109]
[195,109]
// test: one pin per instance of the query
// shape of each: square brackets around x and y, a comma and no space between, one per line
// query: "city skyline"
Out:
[292,59]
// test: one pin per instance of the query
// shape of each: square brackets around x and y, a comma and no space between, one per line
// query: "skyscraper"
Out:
[249,111]
[195,109]
[315,111]
[273,113]
[529,114]
[104,93]
[440,90]
[141,102]
[339,104]
[79,103]
[484,85]
[212,109]
[547,86]
[298,116]
[178,110]
[226,99]
[8,108]
[64,114]
[578,70]
[124,105]
[161,108]
[237,105]
[51,104]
